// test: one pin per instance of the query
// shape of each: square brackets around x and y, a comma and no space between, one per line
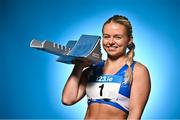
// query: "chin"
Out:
[113,55]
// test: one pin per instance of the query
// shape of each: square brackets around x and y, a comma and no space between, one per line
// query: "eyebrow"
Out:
[118,35]
[114,35]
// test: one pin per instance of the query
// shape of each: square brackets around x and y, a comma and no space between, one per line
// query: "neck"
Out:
[122,59]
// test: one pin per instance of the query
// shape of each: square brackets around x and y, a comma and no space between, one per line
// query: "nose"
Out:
[111,40]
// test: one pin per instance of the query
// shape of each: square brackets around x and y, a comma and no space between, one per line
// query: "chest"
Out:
[107,86]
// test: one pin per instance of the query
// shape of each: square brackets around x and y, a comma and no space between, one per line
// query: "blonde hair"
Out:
[124,21]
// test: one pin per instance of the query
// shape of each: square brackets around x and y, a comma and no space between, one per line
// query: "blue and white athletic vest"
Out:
[113,90]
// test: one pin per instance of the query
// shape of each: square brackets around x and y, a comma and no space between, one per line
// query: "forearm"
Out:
[71,88]
[134,115]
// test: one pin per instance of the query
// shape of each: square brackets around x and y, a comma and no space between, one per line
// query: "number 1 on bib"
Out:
[101,89]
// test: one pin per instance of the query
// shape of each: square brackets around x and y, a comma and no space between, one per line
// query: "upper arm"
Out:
[140,90]
[82,84]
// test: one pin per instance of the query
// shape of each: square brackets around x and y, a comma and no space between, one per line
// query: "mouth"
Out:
[111,48]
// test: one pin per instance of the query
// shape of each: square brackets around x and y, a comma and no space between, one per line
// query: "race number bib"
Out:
[104,87]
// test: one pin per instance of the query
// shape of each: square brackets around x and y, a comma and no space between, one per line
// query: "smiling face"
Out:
[115,39]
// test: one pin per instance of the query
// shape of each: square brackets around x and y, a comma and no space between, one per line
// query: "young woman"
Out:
[117,88]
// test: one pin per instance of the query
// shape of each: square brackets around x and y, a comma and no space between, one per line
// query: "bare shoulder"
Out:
[141,72]
[139,68]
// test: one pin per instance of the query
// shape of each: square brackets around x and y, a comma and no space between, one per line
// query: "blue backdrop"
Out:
[31,81]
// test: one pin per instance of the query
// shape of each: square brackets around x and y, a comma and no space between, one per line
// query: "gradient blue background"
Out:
[31,81]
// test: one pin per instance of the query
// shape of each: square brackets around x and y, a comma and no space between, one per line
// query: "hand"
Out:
[82,63]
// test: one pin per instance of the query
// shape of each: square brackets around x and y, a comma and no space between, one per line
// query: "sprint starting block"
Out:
[87,48]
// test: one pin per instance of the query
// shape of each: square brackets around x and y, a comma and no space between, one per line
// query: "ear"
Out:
[130,41]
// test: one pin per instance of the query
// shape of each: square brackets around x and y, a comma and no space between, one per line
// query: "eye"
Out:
[106,36]
[118,37]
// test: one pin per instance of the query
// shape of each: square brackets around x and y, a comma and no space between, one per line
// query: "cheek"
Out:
[104,42]
[122,42]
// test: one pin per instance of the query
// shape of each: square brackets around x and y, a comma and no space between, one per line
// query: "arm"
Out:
[75,87]
[140,91]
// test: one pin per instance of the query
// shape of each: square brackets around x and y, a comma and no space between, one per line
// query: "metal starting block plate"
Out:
[86,48]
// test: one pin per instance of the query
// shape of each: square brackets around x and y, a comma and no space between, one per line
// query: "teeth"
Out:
[112,47]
